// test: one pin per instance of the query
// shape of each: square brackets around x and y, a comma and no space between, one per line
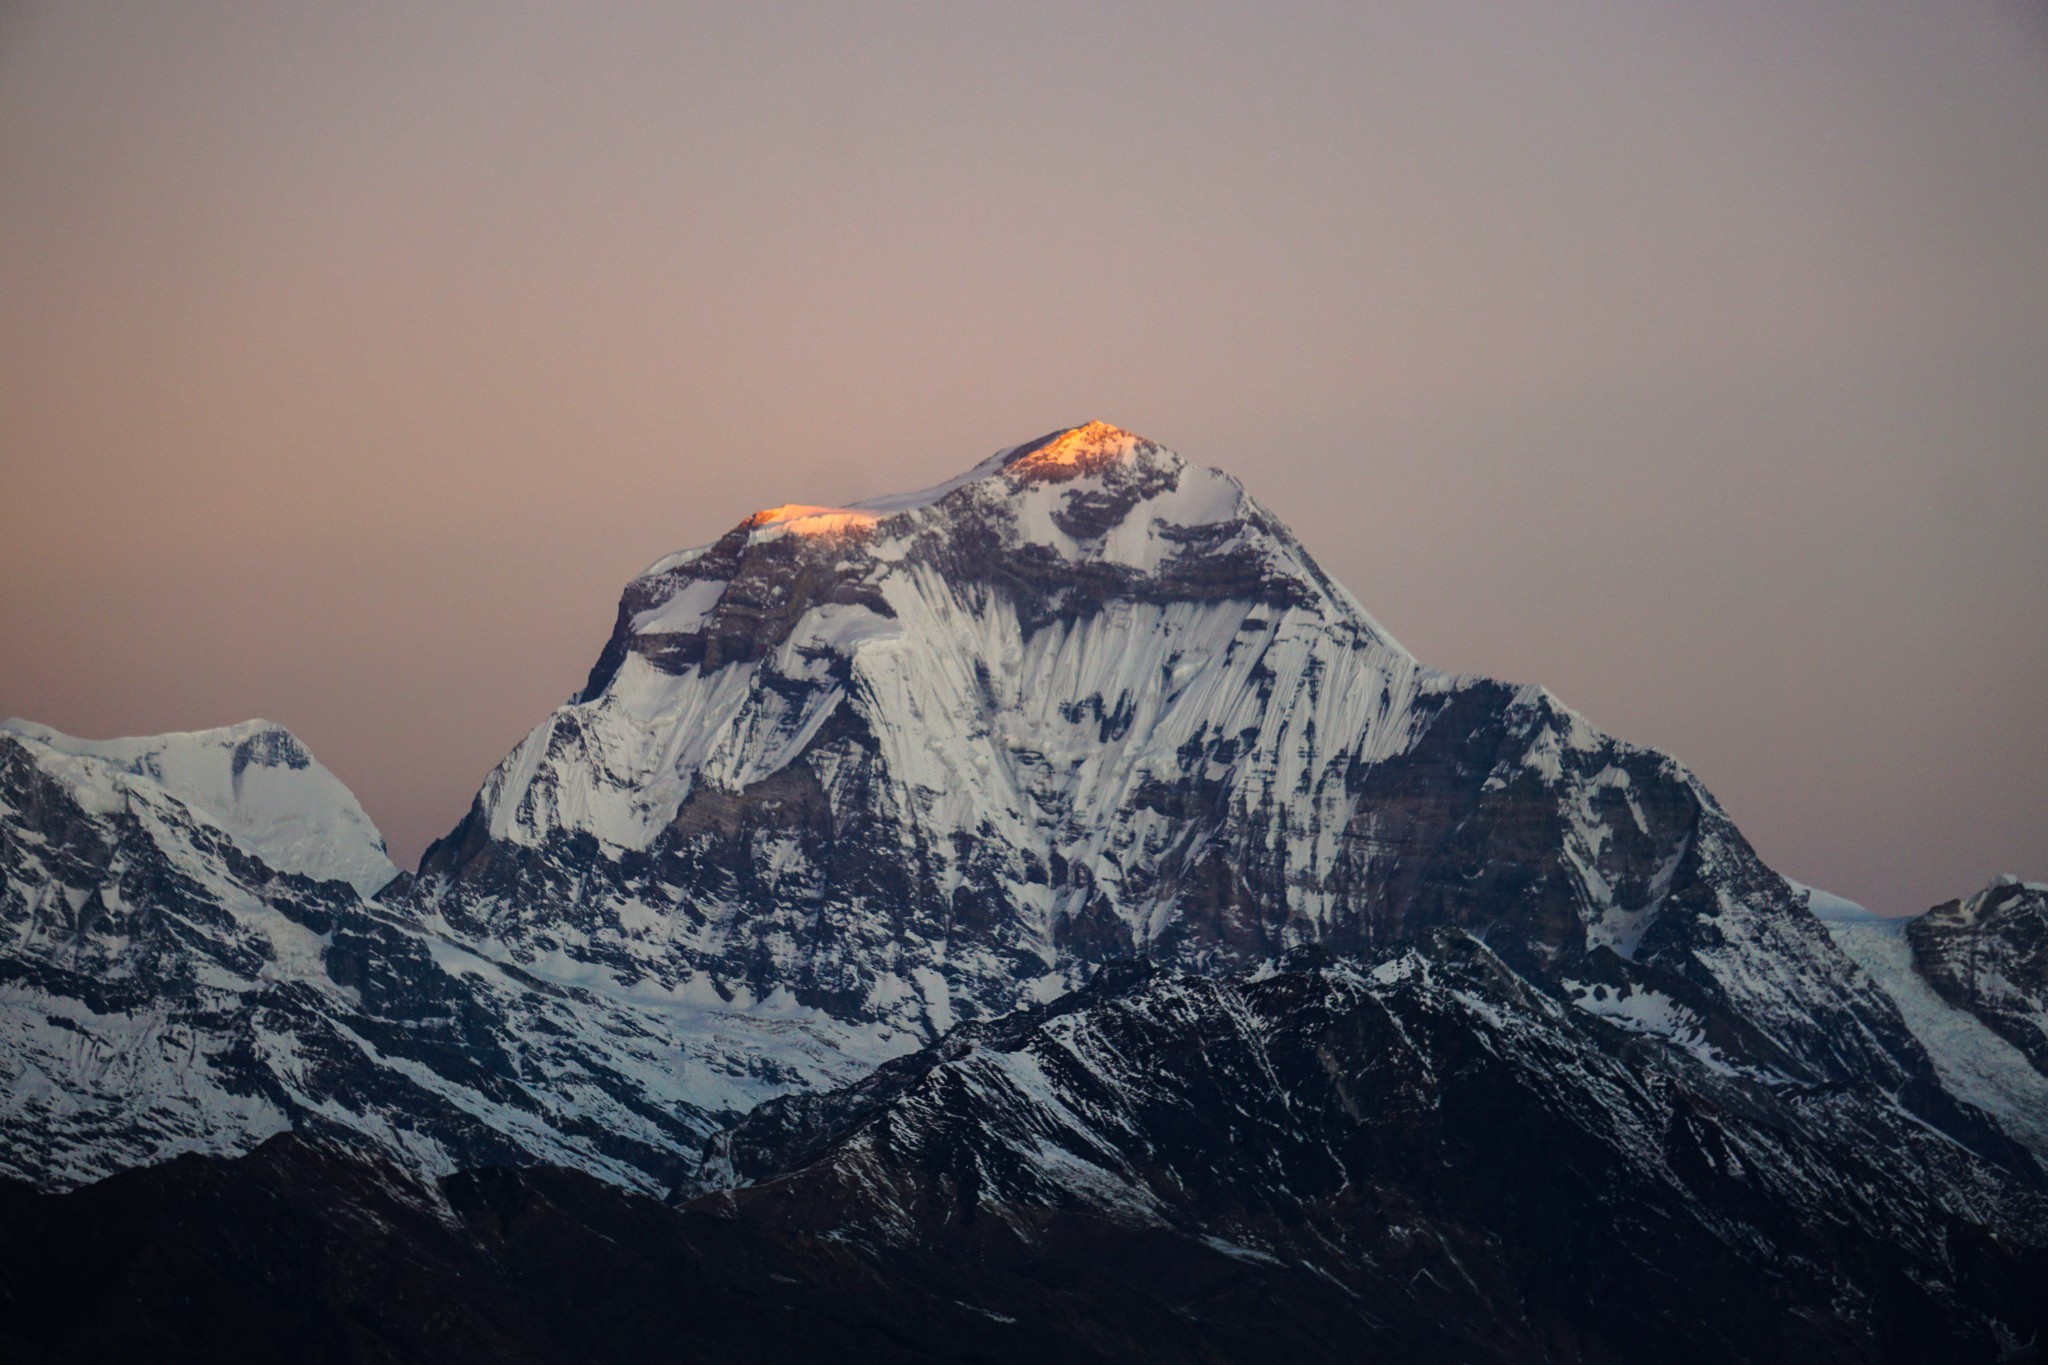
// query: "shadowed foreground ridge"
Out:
[1423,1161]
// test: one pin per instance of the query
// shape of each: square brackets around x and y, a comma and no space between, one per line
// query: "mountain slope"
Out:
[305,1251]
[165,988]
[255,780]
[1988,954]
[1428,1159]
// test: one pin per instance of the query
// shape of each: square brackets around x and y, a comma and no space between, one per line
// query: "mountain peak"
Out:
[1069,453]
[1077,450]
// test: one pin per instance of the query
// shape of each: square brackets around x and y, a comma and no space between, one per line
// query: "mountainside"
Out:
[167,987]
[1428,1159]
[305,1251]
[254,780]
[931,759]
[308,1251]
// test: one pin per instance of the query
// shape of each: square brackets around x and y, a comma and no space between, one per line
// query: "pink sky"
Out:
[1692,361]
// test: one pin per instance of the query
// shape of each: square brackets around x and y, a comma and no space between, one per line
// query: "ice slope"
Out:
[1975,1064]
[1988,954]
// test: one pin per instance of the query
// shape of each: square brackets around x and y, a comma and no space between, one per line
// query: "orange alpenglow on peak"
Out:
[1073,452]
[1090,445]
[804,520]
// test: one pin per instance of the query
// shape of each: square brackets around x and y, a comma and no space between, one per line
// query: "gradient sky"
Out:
[1691,360]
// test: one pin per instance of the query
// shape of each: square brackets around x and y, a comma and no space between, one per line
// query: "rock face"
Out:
[935,758]
[192,964]
[1988,954]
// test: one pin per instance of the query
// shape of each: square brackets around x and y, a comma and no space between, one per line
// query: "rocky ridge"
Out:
[1988,954]
[1483,1171]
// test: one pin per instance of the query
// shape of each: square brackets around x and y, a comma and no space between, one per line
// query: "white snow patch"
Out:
[684,612]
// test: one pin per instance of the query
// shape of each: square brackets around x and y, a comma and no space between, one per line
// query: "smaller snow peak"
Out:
[265,742]
[254,779]
[1085,449]
[1997,891]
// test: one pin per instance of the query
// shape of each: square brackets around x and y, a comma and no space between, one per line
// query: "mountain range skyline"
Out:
[1685,363]
[412,841]
[1113,683]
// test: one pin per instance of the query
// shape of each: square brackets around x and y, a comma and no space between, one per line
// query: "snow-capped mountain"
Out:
[931,758]
[191,963]
[1988,954]
[254,780]
[1048,870]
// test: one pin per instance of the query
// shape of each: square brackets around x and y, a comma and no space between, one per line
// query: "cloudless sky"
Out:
[1691,360]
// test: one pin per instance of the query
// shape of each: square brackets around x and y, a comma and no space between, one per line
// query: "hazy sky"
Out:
[1689,359]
